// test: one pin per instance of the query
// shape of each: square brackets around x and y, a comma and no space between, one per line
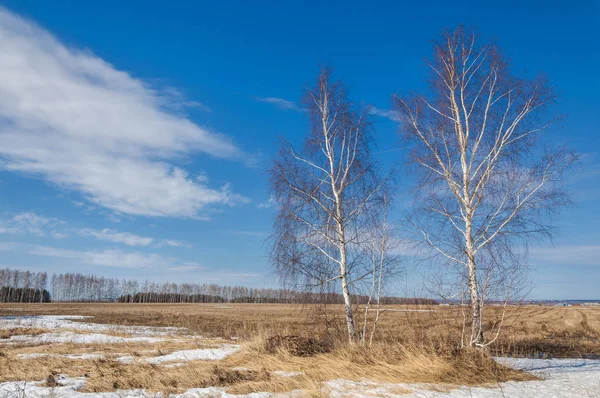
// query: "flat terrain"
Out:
[527,330]
[219,349]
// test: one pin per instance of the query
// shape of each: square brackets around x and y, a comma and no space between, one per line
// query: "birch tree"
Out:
[324,193]
[380,244]
[486,185]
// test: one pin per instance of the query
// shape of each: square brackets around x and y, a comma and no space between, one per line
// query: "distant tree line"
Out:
[153,297]
[23,286]
[90,288]
[31,287]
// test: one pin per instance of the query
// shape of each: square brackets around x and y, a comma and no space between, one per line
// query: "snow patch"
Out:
[185,355]
[68,388]
[283,373]
[562,378]
[77,338]
[57,322]
[69,356]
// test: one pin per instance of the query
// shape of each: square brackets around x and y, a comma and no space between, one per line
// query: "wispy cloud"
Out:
[130,239]
[269,203]
[256,234]
[280,103]
[186,267]
[386,113]
[173,243]
[106,258]
[29,223]
[568,255]
[33,224]
[117,237]
[74,120]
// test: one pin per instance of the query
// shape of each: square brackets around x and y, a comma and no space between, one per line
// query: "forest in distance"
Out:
[36,287]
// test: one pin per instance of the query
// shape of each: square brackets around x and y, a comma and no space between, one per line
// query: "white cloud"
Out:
[29,223]
[130,239]
[32,224]
[388,114]
[280,103]
[246,233]
[567,255]
[106,258]
[185,268]
[173,243]
[117,237]
[271,202]
[74,120]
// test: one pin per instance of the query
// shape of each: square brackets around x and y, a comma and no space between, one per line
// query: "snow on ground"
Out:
[58,322]
[283,373]
[561,378]
[572,378]
[69,389]
[186,355]
[68,356]
[77,338]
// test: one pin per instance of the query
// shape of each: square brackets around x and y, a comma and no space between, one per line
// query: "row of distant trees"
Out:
[23,286]
[31,287]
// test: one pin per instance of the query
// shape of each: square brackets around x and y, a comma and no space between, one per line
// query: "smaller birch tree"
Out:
[325,193]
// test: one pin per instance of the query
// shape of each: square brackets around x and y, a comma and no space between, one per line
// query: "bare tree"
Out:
[325,193]
[485,185]
[380,243]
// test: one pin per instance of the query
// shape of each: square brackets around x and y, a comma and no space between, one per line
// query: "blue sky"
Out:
[134,136]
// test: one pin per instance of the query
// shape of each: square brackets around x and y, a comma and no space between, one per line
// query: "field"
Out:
[245,348]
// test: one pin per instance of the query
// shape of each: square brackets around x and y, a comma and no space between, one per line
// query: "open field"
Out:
[227,347]
[527,331]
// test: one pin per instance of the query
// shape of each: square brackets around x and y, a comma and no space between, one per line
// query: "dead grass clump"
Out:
[52,380]
[111,375]
[481,368]
[297,345]
[6,333]
[222,376]
[391,363]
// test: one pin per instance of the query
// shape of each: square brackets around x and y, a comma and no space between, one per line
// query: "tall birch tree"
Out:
[486,186]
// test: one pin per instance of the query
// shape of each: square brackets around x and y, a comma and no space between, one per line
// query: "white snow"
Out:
[283,373]
[68,388]
[186,355]
[77,338]
[58,322]
[69,356]
[561,378]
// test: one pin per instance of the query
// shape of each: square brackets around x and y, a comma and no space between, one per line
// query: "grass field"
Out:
[415,344]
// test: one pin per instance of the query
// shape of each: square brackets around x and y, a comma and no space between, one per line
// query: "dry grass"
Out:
[411,346]
[243,373]
[6,333]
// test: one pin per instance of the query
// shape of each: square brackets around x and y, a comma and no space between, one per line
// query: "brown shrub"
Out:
[297,345]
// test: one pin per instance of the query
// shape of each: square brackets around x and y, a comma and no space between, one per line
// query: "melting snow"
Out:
[69,389]
[77,338]
[562,378]
[186,355]
[283,373]
[69,356]
[57,322]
